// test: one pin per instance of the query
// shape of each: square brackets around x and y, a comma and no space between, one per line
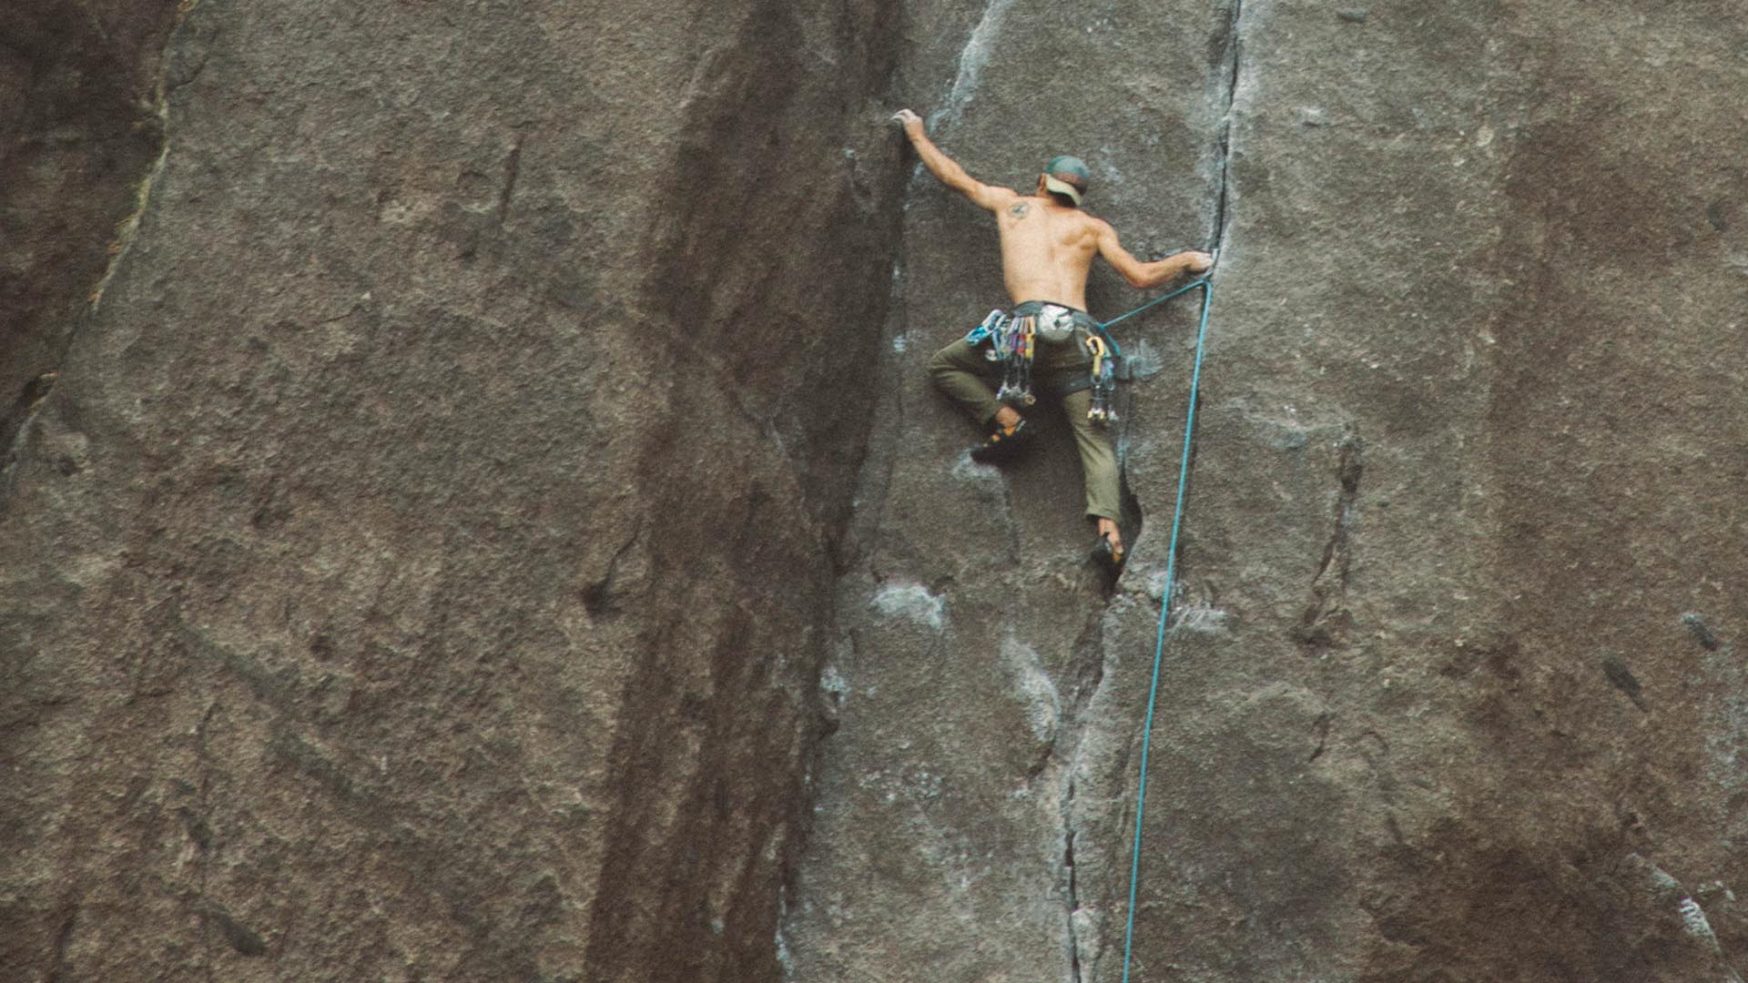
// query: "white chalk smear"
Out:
[912,602]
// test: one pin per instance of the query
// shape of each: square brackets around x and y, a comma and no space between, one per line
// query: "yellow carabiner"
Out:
[1097,346]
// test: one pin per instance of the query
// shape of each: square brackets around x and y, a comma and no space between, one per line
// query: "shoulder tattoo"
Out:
[1019,210]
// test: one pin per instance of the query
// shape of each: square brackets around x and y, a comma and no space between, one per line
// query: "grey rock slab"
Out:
[419,571]
[1470,449]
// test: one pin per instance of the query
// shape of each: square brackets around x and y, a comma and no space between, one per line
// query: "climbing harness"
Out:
[1177,518]
[1013,335]
[1013,338]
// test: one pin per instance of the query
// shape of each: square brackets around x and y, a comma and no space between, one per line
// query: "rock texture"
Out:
[459,544]
[80,124]
[419,571]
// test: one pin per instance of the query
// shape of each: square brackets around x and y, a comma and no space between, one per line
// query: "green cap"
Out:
[1067,175]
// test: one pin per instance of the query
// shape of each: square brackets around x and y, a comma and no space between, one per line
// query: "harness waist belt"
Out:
[1046,309]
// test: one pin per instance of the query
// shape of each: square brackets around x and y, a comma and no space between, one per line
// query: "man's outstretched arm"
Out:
[1144,275]
[947,170]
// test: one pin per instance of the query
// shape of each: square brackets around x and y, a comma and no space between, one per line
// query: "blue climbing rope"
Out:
[1177,518]
[1155,302]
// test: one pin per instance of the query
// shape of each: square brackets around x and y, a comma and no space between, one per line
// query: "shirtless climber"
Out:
[1047,247]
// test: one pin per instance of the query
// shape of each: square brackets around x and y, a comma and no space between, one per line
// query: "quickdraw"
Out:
[980,334]
[1104,382]
[1013,342]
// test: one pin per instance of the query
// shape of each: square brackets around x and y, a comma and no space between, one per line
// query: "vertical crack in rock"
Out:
[17,420]
[1320,727]
[63,939]
[1325,618]
[1079,720]
[1223,163]
[895,329]
[1230,67]
[1071,895]
[128,230]
[1726,705]
[65,281]
[200,831]
[512,171]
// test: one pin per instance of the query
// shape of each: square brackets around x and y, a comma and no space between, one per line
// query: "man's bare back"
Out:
[1046,251]
[1046,247]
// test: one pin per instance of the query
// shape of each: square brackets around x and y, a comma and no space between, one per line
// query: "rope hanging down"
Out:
[1177,518]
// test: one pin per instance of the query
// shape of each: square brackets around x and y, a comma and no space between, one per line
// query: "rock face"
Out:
[1451,692]
[422,566]
[460,545]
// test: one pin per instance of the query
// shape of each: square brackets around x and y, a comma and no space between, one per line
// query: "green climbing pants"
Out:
[962,372]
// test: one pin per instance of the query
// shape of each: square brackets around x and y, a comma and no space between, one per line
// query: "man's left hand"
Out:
[913,124]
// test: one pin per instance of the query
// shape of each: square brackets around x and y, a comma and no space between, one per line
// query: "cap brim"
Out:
[1062,188]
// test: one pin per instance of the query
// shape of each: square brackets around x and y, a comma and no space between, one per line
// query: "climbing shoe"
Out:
[1109,555]
[1003,444]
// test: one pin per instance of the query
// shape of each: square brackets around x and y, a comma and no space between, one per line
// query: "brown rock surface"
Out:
[419,571]
[442,540]
[80,124]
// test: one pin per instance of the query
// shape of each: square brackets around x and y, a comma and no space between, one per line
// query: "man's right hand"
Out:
[1197,262]
[913,124]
